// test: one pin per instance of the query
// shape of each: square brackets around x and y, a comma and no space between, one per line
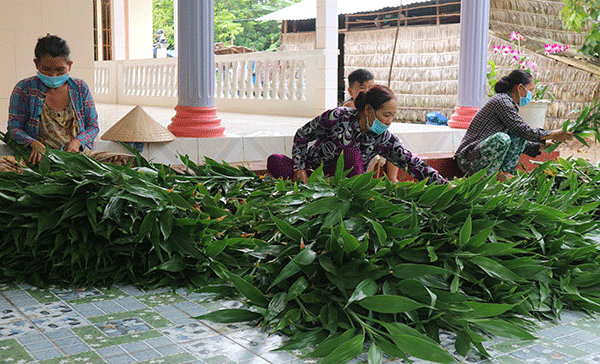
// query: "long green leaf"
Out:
[249,291]
[230,315]
[389,304]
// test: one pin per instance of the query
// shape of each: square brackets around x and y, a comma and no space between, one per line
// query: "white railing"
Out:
[281,83]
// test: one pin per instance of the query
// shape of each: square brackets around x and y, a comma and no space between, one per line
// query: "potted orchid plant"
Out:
[535,113]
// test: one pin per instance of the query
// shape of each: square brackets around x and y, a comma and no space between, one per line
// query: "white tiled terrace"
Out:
[251,138]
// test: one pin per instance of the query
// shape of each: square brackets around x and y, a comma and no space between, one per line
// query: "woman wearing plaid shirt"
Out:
[52,109]
[498,135]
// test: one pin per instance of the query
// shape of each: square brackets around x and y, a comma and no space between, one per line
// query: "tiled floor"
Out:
[126,325]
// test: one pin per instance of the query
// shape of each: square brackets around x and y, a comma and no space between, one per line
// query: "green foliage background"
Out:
[234,22]
[578,15]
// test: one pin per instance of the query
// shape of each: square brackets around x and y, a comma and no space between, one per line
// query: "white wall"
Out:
[140,29]
[23,21]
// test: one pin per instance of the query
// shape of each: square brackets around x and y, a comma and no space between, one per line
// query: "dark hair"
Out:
[516,77]
[51,45]
[375,96]
[360,75]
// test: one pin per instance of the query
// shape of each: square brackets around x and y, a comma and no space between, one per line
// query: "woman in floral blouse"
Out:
[360,134]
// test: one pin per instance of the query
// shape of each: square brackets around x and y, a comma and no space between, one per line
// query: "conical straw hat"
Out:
[138,126]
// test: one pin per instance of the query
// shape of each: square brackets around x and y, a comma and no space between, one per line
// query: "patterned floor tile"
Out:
[226,328]
[191,308]
[511,345]
[160,298]
[110,351]
[42,295]
[179,358]
[87,310]
[74,294]
[110,307]
[127,325]
[12,352]
[53,316]
[8,286]
[13,323]
[146,355]
[95,338]
[121,359]
[593,359]
[219,360]
[32,338]
[159,342]
[189,332]
[132,290]
[4,304]
[19,298]
[539,354]
[47,354]
[218,346]
[130,303]
[151,317]
[171,350]
[88,357]
[262,344]
[123,327]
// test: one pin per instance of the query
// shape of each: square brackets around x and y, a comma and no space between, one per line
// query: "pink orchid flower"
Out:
[516,36]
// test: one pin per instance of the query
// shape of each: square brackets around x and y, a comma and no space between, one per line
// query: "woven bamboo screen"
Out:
[572,87]
[425,71]
[532,18]
[297,41]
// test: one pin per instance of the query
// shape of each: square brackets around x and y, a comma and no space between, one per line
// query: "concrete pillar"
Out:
[139,20]
[327,42]
[196,115]
[118,30]
[175,25]
[472,69]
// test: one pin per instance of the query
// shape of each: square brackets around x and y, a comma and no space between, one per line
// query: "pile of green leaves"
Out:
[357,260]
[586,124]
[73,221]
[338,264]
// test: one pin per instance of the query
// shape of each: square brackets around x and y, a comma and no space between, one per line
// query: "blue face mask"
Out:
[53,82]
[525,100]
[378,127]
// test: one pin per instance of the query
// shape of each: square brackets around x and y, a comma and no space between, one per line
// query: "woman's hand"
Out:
[300,174]
[73,146]
[545,144]
[559,135]
[38,149]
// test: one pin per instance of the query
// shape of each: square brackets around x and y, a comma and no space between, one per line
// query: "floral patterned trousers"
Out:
[497,152]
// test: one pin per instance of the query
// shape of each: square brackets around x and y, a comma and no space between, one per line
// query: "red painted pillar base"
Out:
[196,122]
[461,119]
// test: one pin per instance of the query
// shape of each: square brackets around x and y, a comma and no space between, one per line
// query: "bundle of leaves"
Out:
[586,124]
[72,221]
[357,260]
[338,264]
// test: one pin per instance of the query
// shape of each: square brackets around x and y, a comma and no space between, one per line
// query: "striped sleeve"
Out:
[18,115]
[90,116]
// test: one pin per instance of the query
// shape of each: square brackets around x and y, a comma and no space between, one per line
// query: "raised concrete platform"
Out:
[252,138]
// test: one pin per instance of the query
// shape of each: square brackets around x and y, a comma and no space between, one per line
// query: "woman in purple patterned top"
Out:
[360,134]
